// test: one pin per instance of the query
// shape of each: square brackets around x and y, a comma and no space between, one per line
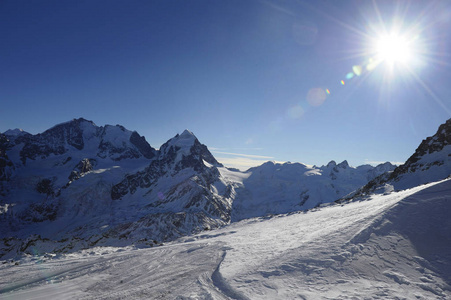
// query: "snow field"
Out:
[394,246]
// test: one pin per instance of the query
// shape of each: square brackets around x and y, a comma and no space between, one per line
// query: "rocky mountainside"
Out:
[78,185]
[430,162]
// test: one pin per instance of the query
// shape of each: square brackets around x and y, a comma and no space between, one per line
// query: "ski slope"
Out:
[393,246]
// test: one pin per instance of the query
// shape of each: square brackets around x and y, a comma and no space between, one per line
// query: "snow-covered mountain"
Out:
[274,188]
[430,162]
[78,185]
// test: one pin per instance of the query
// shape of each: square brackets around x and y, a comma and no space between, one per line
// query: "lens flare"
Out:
[357,70]
[296,112]
[316,96]
[372,64]
[389,51]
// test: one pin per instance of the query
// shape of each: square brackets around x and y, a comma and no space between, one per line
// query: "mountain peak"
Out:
[184,141]
[344,164]
[186,133]
[14,132]
[439,140]
[332,163]
[73,122]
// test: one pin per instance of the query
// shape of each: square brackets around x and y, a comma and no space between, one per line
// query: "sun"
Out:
[393,48]
[401,48]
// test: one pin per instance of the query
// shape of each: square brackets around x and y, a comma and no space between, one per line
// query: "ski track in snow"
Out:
[365,249]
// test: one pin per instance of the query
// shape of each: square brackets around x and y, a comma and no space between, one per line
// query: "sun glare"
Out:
[393,48]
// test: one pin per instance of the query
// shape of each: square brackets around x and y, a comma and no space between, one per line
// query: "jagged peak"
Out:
[332,163]
[187,134]
[344,164]
[185,145]
[441,138]
[184,141]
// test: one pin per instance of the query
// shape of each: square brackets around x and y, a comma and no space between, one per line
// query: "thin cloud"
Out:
[213,149]
[243,155]
[241,163]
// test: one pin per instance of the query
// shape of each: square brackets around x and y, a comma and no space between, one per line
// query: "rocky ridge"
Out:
[430,162]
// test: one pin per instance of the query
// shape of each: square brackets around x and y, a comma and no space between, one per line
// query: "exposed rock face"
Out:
[6,165]
[53,141]
[114,142]
[142,145]
[429,146]
[83,167]
[185,174]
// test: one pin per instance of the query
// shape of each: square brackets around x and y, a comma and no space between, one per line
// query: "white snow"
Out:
[117,136]
[395,246]
[234,176]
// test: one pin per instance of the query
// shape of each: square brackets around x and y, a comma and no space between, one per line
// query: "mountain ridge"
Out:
[430,162]
[78,185]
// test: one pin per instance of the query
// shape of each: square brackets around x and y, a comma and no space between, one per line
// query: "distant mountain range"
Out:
[78,185]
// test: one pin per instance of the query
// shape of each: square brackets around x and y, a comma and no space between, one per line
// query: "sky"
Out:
[299,81]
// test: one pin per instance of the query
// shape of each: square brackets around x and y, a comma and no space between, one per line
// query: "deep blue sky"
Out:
[236,73]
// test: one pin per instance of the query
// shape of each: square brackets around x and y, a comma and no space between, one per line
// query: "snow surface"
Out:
[395,246]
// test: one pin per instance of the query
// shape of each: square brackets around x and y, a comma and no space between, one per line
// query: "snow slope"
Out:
[395,246]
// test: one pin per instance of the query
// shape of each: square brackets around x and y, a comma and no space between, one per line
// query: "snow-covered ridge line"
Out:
[430,162]
[77,186]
